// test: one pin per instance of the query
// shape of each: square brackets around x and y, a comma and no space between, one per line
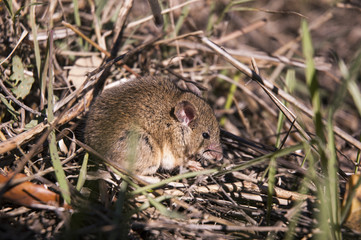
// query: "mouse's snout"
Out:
[214,151]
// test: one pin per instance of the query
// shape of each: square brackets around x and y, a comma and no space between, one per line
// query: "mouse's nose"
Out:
[214,151]
[217,155]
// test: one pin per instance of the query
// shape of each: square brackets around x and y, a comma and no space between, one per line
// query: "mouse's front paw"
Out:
[194,165]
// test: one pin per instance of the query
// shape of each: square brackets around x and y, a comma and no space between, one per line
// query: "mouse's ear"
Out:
[185,112]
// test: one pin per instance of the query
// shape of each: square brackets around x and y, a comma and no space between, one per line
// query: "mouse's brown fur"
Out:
[151,117]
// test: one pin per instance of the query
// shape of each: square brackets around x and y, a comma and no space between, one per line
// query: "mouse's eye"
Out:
[205,135]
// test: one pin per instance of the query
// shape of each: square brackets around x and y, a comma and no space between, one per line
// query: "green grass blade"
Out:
[351,77]
[82,172]
[230,97]
[163,210]
[9,7]
[333,179]
[356,95]
[77,18]
[120,219]
[271,183]
[58,168]
[211,21]
[312,80]
[358,158]
[290,81]
[10,108]
[172,179]
[76,13]
[34,30]
[156,202]
[181,19]
[310,177]
[146,205]
[328,191]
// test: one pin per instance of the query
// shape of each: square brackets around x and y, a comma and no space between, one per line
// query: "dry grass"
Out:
[281,177]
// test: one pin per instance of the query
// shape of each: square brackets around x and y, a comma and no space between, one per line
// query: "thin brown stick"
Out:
[22,37]
[166,41]
[192,227]
[257,55]
[122,17]
[94,44]
[74,29]
[238,33]
[143,20]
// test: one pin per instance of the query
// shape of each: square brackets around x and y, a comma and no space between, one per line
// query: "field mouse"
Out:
[150,117]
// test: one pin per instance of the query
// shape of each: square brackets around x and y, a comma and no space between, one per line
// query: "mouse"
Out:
[150,123]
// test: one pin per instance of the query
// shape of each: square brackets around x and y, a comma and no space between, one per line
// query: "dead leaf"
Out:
[81,67]
[30,194]
[353,219]
[18,70]
[23,84]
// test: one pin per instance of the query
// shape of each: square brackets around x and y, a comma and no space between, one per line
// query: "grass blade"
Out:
[58,168]
[34,30]
[82,172]
[328,190]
